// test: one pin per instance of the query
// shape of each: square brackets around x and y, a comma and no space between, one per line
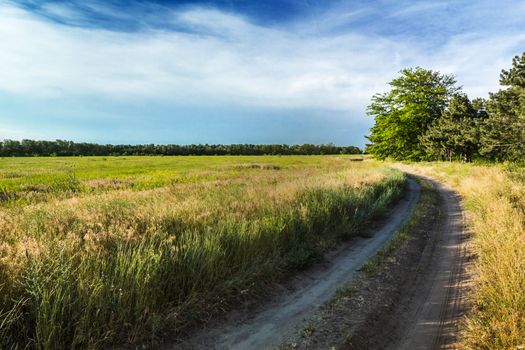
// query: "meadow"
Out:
[123,250]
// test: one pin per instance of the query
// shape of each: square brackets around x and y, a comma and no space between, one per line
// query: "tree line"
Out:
[25,148]
[426,116]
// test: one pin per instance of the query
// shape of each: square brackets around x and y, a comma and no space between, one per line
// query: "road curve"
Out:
[285,316]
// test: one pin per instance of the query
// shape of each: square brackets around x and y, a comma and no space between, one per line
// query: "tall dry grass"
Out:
[125,266]
[494,197]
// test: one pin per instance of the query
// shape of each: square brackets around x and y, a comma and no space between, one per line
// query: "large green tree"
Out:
[416,99]
[503,134]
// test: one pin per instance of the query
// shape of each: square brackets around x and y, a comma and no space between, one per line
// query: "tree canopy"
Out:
[455,135]
[416,100]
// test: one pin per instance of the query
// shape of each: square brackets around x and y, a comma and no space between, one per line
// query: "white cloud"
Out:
[226,59]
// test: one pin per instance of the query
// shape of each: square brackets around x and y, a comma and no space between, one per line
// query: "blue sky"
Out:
[274,71]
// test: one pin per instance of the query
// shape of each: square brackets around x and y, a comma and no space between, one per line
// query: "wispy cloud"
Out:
[223,59]
[418,8]
[207,56]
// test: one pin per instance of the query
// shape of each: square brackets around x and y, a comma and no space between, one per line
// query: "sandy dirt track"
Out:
[432,312]
[424,309]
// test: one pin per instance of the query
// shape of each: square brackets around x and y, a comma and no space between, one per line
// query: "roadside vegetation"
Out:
[173,242]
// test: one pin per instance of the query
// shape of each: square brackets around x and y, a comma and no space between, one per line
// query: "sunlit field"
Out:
[102,251]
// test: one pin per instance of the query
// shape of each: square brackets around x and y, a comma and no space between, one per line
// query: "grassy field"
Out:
[494,197]
[100,251]
[31,180]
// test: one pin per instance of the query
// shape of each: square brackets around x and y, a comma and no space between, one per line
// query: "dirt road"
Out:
[424,309]
[429,315]
[285,316]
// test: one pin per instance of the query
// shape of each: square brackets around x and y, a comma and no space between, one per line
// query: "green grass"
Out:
[36,179]
[182,239]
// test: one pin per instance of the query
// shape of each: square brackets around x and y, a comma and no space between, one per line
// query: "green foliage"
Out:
[455,135]
[416,99]
[503,134]
[425,117]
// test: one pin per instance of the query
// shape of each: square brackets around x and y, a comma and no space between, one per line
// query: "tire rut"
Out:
[435,307]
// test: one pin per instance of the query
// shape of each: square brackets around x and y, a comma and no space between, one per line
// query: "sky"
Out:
[234,71]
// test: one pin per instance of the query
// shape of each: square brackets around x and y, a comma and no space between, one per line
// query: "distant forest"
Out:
[28,148]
